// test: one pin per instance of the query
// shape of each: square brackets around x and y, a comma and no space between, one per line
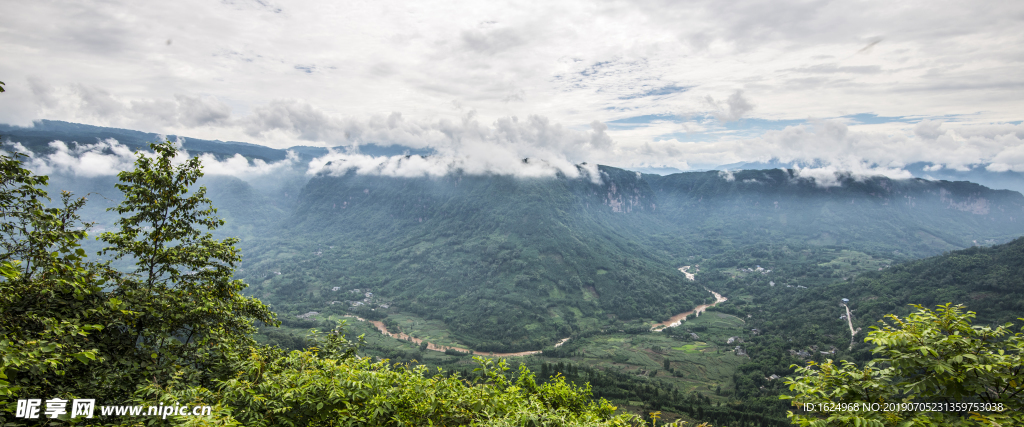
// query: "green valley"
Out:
[573,273]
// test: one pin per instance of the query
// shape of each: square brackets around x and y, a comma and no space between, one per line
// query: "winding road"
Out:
[849,320]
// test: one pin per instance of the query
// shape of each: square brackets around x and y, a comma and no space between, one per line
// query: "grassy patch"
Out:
[700,366]
[692,348]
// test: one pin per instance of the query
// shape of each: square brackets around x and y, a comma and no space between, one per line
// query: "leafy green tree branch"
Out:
[933,367]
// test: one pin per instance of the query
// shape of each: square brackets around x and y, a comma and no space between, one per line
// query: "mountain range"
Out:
[511,263]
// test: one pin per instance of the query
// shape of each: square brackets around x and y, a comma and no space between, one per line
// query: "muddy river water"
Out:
[679,318]
[671,322]
[431,346]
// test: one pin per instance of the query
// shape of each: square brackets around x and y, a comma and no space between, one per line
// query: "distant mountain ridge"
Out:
[510,264]
[1008,180]
[513,264]
[916,216]
[38,137]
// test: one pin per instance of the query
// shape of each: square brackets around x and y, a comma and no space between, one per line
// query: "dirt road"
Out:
[849,320]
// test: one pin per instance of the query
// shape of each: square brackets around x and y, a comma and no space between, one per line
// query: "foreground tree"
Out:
[932,368]
[328,385]
[180,290]
[70,328]
[51,300]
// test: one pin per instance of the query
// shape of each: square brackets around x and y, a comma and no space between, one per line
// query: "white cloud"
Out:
[91,104]
[834,144]
[533,147]
[241,167]
[415,166]
[568,60]
[735,107]
[312,72]
[87,160]
[1010,159]
[929,129]
[833,175]
[108,157]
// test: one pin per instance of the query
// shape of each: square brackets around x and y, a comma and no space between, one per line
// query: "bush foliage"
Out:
[932,367]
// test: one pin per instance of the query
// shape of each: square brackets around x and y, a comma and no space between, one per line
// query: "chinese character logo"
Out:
[28,408]
[83,407]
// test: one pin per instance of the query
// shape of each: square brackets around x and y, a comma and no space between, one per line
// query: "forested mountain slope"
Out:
[508,263]
[906,218]
[988,280]
[512,264]
[796,313]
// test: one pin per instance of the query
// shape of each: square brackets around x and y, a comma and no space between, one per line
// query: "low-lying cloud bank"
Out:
[339,163]
[530,147]
[533,147]
[832,144]
[108,157]
[828,150]
[474,144]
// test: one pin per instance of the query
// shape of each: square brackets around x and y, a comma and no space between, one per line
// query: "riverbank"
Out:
[681,317]
[671,322]
[442,348]
[685,271]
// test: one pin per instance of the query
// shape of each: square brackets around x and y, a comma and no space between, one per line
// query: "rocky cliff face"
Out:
[625,191]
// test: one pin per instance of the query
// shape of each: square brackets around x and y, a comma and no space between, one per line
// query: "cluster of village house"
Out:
[738,350]
[365,293]
[803,354]
[757,268]
[367,297]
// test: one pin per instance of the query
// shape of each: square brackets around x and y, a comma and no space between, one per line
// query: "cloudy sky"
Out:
[866,85]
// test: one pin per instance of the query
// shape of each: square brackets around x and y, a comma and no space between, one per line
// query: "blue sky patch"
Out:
[638,121]
[661,91]
[760,124]
[690,136]
[875,119]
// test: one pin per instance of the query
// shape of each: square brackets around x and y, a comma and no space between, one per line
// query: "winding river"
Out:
[671,322]
[681,317]
[431,346]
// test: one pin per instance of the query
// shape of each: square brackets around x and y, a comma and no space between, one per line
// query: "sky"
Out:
[867,86]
